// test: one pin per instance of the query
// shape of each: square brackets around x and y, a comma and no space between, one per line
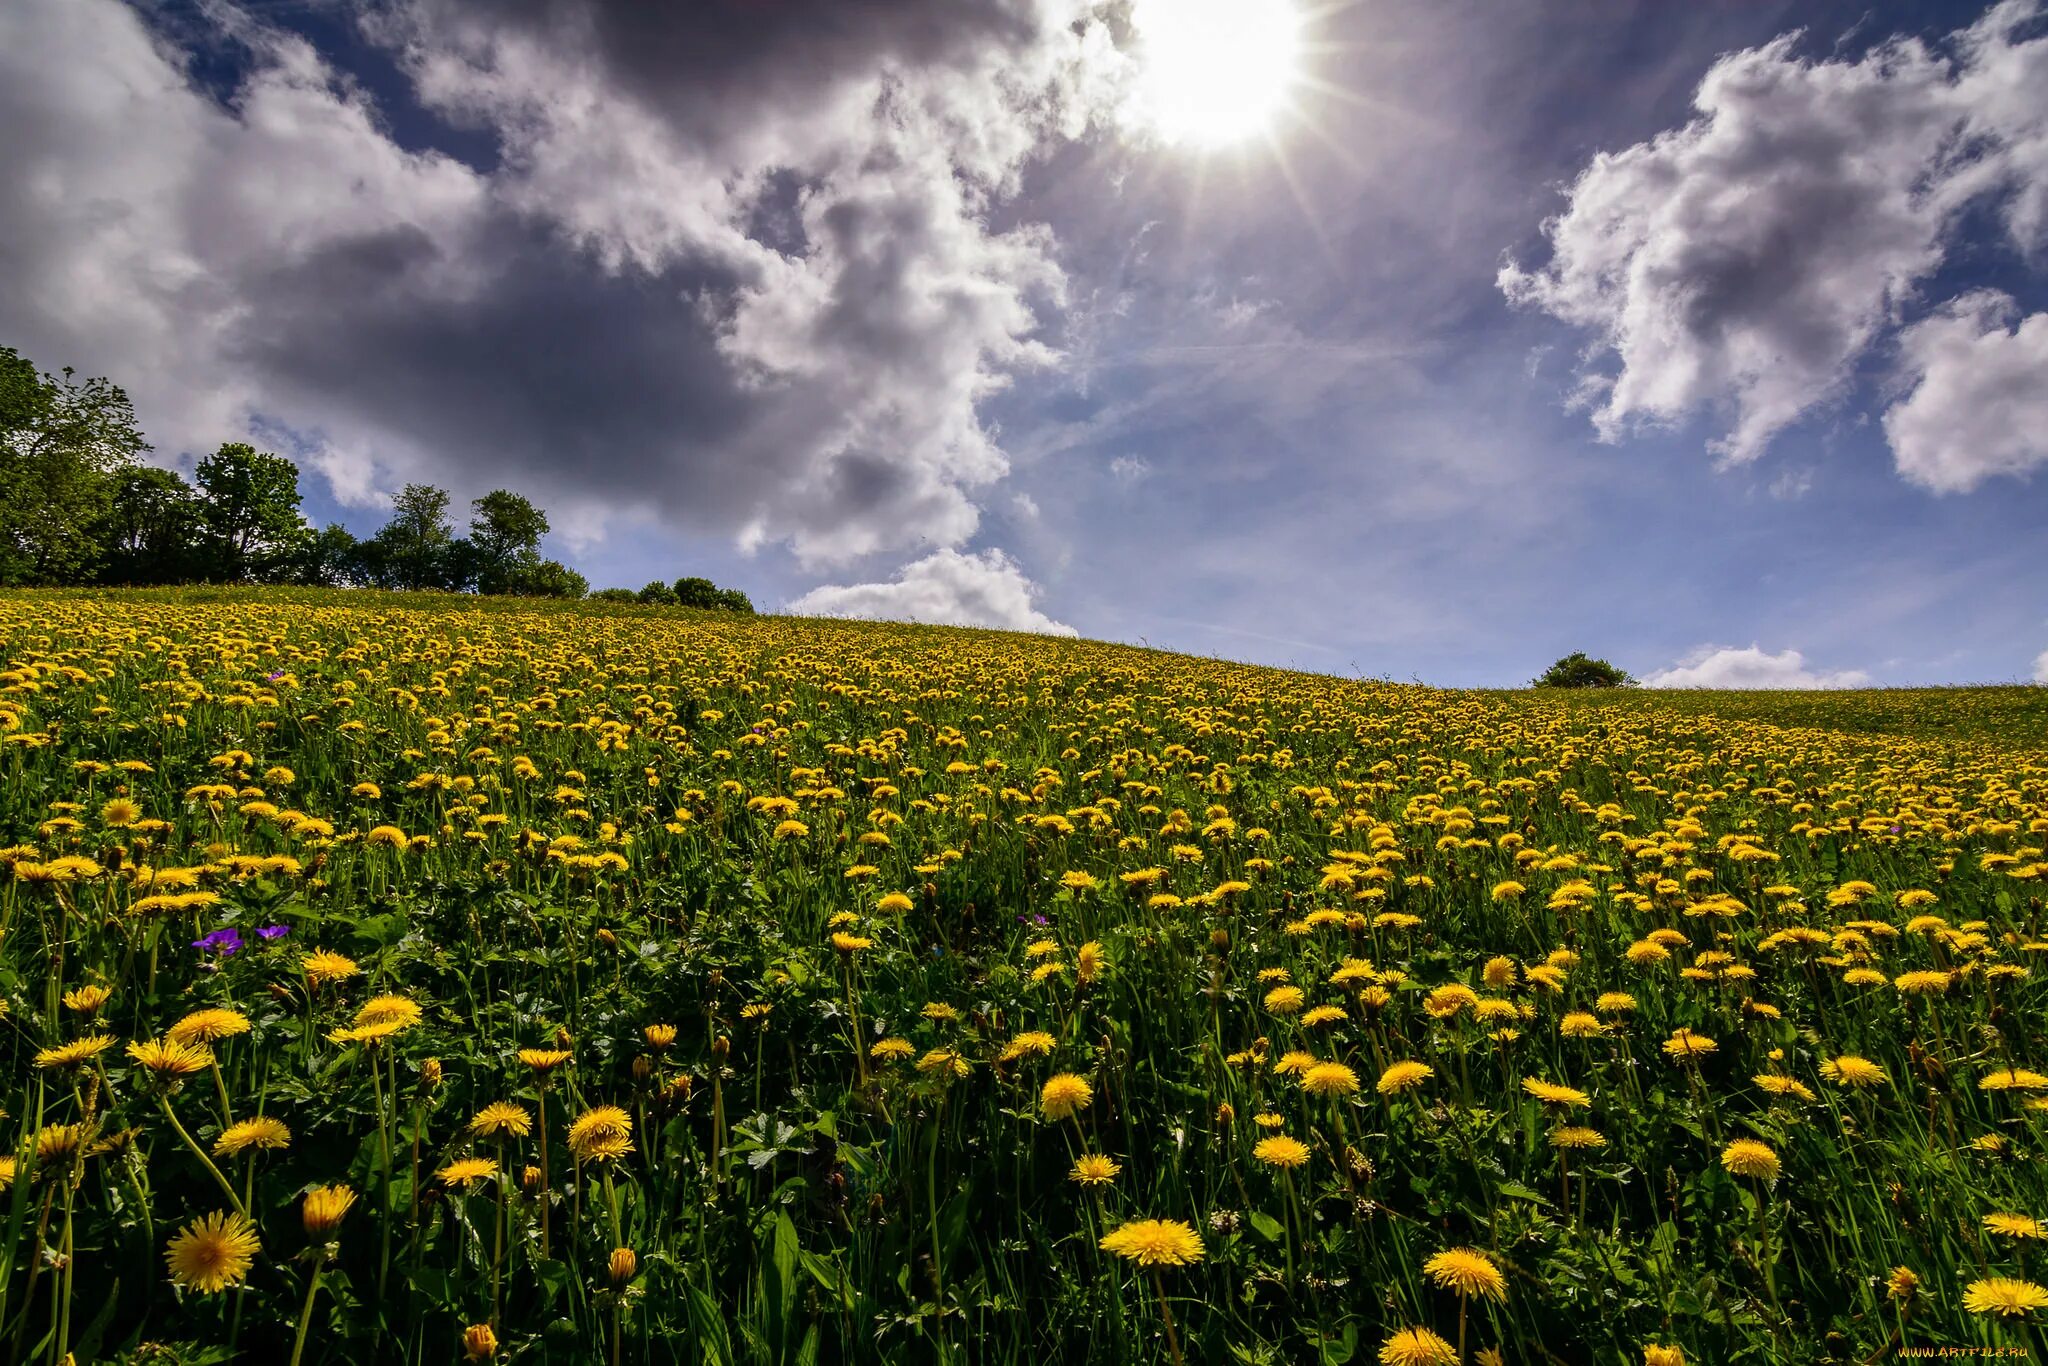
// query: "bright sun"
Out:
[1215,71]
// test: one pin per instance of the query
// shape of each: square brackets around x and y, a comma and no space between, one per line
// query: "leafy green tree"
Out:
[416,548]
[249,505]
[658,594]
[732,600]
[1577,671]
[548,579]
[699,593]
[152,528]
[62,441]
[331,558]
[505,532]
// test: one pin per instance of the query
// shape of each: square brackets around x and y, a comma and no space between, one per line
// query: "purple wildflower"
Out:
[274,931]
[223,942]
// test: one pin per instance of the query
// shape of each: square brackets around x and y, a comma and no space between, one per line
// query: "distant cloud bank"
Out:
[1724,666]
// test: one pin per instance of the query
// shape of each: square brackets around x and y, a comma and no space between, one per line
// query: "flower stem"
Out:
[200,1153]
[306,1316]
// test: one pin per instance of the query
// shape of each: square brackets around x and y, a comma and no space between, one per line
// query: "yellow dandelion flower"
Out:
[1281,1151]
[1329,1079]
[77,1053]
[1417,1347]
[212,1253]
[1852,1071]
[1093,1169]
[262,1132]
[1685,1044]
[501,1118]
[169,1059]
[209,1024]
[1404,1076]
[1468,1271]
[1064,1095]
[322,966]
[1155,1242]
[1748,1157]
[465,1170]
[1550,1093]
[2004,1296]
[600,1133]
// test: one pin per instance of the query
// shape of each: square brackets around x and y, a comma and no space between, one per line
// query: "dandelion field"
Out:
[387,980]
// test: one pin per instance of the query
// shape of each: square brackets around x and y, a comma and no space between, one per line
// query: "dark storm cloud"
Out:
[557,375]
[716,65]
[731,267]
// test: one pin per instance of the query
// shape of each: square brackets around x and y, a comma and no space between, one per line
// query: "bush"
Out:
[1577,671]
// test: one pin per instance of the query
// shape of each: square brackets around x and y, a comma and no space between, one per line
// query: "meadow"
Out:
[415,980]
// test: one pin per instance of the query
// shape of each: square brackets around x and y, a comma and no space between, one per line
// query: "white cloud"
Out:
[2041,667]
[1978,404]
[1724,666]
[1129,469]
[946,587]
[1746,260]
[1792,484]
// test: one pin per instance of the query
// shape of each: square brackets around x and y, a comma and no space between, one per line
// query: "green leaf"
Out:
[1266,1226]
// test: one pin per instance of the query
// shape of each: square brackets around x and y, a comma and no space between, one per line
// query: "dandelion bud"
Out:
[608,939]
[280,992]
[562,1037]
[430,1074]
[720,1046]
[479,1343]
[624,1265]
[679,1089]
[529,1177]
[323,1211]
[1219,940]
[716,980]
[643,1068]
[1226,1115]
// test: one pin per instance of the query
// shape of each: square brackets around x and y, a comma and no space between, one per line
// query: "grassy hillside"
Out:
[2009,717]
[666,987]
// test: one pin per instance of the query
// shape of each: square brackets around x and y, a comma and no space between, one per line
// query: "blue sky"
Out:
[917,308]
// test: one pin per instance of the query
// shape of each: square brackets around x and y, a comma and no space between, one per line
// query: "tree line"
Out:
[79,506]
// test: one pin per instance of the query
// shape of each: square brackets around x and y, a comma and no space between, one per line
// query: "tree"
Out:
[62,441]
[249,504]
[151,529]
[505,533]
[701,594]
[732,600]
[1577,671]
[331,558]
[549,579]
[415,549]
[658,594]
